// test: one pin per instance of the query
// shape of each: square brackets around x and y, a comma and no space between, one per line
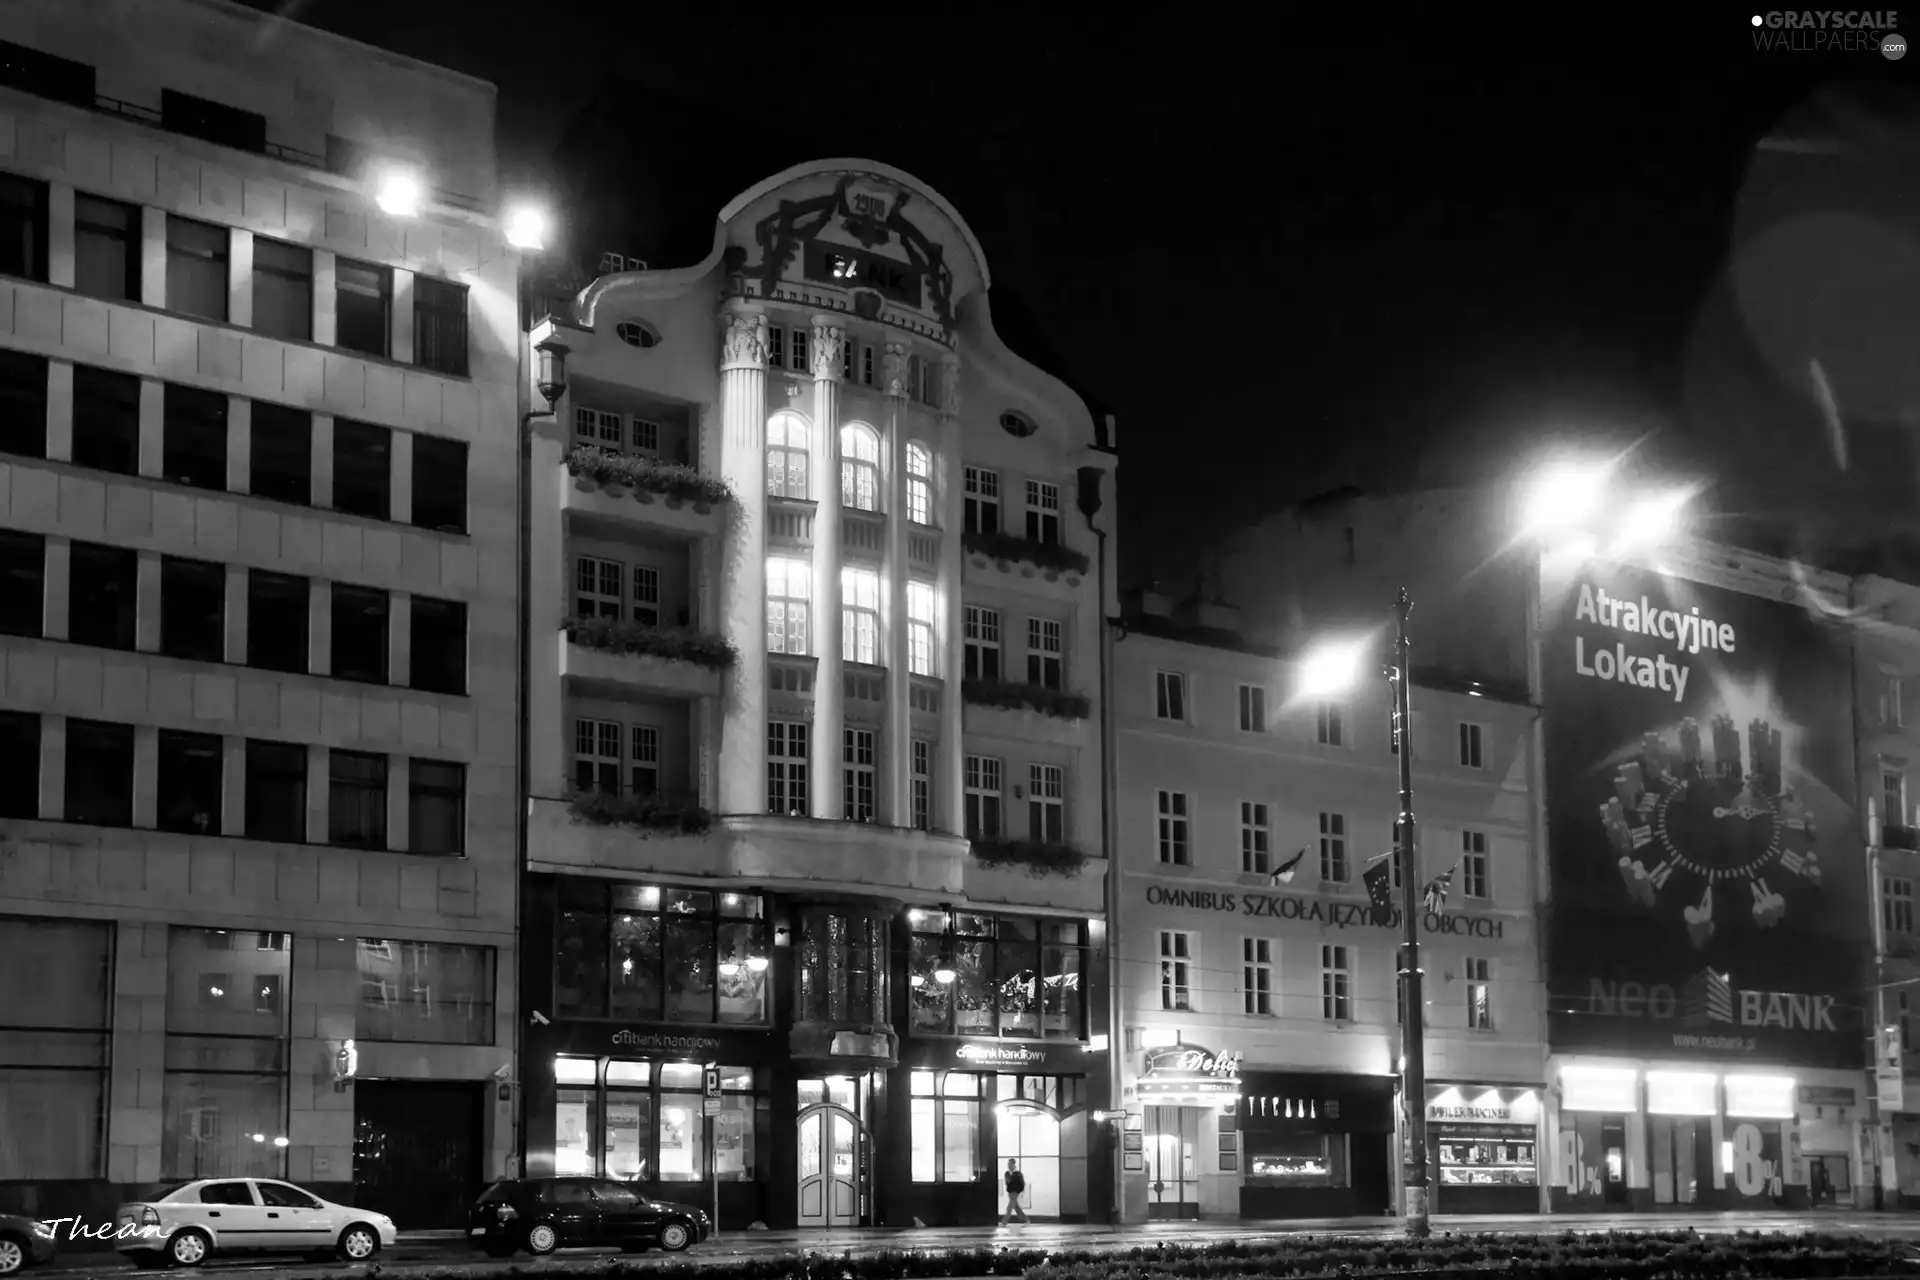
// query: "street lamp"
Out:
[1330,668]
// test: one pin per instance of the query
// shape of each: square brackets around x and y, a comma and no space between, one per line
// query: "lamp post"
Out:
[1412,1024]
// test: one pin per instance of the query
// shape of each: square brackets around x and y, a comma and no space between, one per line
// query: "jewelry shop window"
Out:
[653,953]
[1012,976]
[641,1121]
[946,1126]
[842,967]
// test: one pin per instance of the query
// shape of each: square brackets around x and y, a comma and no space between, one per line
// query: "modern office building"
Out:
[814,923]
[1261,1000]
[257,728]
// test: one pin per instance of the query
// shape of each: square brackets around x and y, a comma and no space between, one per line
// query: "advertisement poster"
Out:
[1709,896]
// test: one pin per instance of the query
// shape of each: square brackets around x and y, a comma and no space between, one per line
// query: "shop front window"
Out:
[644,1122]
[1012,976]
[1296,1159]
[946,1126]
[648,953]
[842,970]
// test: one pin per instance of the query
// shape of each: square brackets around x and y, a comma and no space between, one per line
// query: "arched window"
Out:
[789,588]
[859,468]
[919,484]
[787,457]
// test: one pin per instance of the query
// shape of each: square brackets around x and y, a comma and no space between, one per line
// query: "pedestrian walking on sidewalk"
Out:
[1016,1186]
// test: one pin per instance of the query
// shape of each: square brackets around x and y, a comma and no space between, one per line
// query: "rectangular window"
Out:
[1177,952]
[363,303]
[194,437]
[106,248]
[945,1126]
[1170,695]
[23,225]
[360,634]
[362,469]
[56,1001]
[437,645]
[643,761]
[282,290]
[279,621]
[19,764]
[982,652]
[23,404]
[357,799]
[1333,848]
[214,121]
[425,992]
[23,583]
[436,807]
[983,798]
[227,1019]
[439,484]
[787,445]
[646,595]
[1043,512]
[193,609]
[280,453]
[857,761]
[1253,709]
[1044,653]
[102,590]
[1256,975]
[596,756]
[197,268]
[1470,744]
[1328,729]
[598,428]
[99,773]
[1897,909]
[1255,838]
[1479,994]
[787,768]
[1892,710]
[1893,794]
[276,791]
[1047,803]
[789,584]
[860,616]
[797,350]
[982,500]
[920,647]
[440,326]
[1476,877]
[599,588]
[106,420]
[866,365]
[192,766]
[922,785]
[776,347]
[1336,985]
[1173,828]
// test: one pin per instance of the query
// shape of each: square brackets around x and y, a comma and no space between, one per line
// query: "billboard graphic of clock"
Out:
[1700,826]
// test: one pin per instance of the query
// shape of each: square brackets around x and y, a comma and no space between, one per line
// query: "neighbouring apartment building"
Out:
[257,531]
[1261,1000]
[814,927]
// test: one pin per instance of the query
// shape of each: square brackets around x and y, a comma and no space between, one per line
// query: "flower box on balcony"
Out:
[679,644]
[1051,556]
[1894,836]
[668,815]
[1035,857]
[1026,697]
[618,473]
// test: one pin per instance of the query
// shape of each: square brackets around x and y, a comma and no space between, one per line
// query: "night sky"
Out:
[1293,254]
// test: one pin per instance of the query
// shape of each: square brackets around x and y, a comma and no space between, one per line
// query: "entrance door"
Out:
[1030,1137]
[1613,1160]
[1173,1181]
[831,1157]
[1674,1143]
[1830,1180]
[416,1149]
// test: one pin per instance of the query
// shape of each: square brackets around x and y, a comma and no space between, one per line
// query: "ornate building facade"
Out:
[814,914]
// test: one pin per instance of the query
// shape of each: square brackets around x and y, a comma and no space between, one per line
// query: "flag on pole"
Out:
[1435,898]
[1283,874]
[1378,878]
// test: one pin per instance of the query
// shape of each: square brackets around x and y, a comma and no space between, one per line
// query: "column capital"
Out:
[743,338]
[893,368]
[828,335]
[950,385]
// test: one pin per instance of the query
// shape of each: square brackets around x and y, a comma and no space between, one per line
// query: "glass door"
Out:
[833,1157]
[1030,1137]
[1173,1178]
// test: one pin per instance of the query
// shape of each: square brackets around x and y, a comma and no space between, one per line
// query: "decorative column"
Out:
[743,557]
[829,685]
[893,616]
[950,771]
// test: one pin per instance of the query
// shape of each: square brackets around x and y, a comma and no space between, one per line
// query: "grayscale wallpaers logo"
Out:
[1830,31]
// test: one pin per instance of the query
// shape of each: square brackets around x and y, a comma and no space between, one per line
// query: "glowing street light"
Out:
[1564,496]
[1331,667]
[1651,521]
[526,227]
[399,195]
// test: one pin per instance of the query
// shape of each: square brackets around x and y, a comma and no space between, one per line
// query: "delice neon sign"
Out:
[1190,1069]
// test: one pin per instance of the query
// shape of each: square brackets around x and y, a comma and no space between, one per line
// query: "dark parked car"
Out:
[544,1214]
[23,1243]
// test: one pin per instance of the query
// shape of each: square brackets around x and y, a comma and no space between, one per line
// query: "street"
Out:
[424,1250]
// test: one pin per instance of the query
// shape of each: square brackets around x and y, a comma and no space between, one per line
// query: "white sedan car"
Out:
[185,1225]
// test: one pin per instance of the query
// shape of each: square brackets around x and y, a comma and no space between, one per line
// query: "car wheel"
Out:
[542,1239]
[13,1255]
[189,1248]
[359,1242]
[674,1237]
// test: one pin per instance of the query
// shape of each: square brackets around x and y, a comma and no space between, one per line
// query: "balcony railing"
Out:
[1051,556]
[646,478]
[1893,836]
[1011,696]
[676,644]
[1035,857]
[665,813]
